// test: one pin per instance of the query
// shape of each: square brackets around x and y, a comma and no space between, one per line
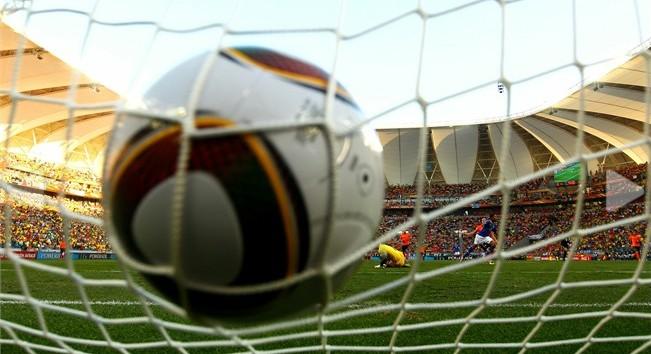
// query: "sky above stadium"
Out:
[461,56]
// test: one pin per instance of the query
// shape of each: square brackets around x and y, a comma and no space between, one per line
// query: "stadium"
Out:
[550,152]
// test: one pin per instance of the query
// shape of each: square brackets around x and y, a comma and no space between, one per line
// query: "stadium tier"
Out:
[541,206]
[545,190]
[26,171]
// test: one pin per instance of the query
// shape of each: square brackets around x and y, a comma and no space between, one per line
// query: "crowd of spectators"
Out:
[527,216]
[538,191]
[434,190]
[443,233]
[36,223]
[26,171]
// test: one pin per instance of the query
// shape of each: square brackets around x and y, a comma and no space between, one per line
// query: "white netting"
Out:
[326,331]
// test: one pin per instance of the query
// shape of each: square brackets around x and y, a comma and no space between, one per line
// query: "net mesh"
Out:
[322,332]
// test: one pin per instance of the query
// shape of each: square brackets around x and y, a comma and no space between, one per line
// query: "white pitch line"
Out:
[519,272]
[385,271]
[76,271]
[77,302]
[532,305]
[136,303]
[635,304]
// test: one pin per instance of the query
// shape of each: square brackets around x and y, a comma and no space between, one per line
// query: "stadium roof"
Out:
[615,111]
[38,125]
[614,105]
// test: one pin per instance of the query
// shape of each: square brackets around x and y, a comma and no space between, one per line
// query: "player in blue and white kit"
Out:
[456,250]
[483,237]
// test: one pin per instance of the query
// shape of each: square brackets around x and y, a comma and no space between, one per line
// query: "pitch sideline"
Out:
[135,303]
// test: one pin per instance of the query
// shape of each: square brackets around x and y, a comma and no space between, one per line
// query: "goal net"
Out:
[511,75]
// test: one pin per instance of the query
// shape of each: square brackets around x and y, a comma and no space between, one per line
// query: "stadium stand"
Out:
[539,207]
[35,221]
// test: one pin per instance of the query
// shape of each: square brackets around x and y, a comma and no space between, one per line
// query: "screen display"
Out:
[568,173]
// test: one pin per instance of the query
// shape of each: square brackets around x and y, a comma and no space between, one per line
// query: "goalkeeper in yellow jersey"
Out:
[390,257]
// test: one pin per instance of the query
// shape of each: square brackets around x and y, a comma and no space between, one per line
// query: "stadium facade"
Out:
[614,116]
[614,106]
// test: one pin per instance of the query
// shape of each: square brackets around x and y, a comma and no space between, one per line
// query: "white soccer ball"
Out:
[255,205]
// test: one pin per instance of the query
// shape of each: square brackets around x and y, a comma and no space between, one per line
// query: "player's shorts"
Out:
[405,248]
[479,239]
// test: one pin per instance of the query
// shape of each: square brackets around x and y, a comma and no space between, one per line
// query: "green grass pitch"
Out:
[468,284]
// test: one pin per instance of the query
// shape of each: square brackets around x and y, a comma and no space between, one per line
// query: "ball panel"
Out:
[213,260]
[259,186]
[141,166]
[301,212]
[271,60]
[299,72]
[268,225]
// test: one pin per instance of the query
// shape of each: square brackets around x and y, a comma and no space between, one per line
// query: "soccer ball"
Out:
[254,206]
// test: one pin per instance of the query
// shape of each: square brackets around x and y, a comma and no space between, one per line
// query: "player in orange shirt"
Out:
[62,248]
[405,241]
[636,243]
